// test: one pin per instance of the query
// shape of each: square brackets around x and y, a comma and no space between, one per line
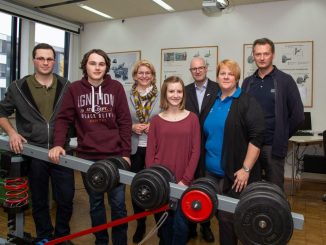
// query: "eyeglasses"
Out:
[146,73]
[200,69]
[42,59]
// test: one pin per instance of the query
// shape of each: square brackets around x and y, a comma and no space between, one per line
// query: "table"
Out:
[296,142]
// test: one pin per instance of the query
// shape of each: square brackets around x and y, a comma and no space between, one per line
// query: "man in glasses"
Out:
[198,94]
[35,99]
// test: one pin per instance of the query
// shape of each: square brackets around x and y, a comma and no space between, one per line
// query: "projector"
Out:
[213,6]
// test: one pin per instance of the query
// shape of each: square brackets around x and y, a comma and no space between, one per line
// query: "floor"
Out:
[307,201]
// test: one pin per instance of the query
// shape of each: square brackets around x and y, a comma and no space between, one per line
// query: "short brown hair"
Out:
[100,52]
[164,102]
[148,65]
[263,41]
[232,65]
[43,46]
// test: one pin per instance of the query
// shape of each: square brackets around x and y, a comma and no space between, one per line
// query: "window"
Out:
[10,48]
[8,55]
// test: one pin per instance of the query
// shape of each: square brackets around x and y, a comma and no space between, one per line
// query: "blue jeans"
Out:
[62,180]
[116,198]
[175,229]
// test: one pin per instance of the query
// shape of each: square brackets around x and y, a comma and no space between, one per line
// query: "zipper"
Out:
[48,127]
[29,103]
[54,109]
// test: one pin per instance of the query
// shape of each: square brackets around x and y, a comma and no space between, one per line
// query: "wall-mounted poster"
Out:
[176,62]
[121,66]
[294,58]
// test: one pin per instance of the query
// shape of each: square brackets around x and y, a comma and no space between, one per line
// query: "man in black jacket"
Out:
[198,94]
[279,97]
[36,99]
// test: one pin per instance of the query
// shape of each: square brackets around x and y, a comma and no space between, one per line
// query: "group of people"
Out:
[234,135]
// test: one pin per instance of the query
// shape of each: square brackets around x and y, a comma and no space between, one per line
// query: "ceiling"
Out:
[119,9]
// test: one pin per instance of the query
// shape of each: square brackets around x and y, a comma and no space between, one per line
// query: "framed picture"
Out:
[121,66]
[176,62]
[294,58]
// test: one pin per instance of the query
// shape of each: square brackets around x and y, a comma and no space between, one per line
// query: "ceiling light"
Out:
[95,11]
[164,5]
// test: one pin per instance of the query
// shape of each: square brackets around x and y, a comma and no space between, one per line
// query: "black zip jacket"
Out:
[29,121]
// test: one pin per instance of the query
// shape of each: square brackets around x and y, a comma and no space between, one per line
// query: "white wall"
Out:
[292,20]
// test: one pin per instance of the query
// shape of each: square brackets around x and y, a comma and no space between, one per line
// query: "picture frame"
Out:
[176,61]
[121,66]
[294,58]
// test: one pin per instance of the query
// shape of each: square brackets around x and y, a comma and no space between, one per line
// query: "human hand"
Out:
[138,128]
[146,129]
[181,183]
[16,142]
[54,154]
[241,180]
[128,160]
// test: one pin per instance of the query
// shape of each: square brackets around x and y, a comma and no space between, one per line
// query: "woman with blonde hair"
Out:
[232,137]
[143,102]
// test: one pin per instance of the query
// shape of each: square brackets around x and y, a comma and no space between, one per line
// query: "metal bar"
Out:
[225,203]
[19,222]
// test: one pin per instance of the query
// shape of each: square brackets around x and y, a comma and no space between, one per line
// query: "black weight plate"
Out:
[114,173]
[161,173]
[263,218]
[164,182]
[98,177]
[167,173]
[120,163]
[263,185]
[209,181]
[146,190]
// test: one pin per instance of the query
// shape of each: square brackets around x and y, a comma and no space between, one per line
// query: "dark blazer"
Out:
[192,105]
[209,97]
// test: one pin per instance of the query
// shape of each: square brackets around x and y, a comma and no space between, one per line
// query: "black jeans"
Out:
[272,165]
[225,219]
[62,180]
[138,164]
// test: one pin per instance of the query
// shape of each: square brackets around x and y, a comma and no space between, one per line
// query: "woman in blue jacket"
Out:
[232,137]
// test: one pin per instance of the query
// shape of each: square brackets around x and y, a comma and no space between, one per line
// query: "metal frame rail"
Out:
[224,203]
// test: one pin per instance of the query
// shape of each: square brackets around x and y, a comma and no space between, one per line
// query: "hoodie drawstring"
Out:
[93,100]
[93,96]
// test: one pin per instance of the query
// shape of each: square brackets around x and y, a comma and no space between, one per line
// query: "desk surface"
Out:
[306,139]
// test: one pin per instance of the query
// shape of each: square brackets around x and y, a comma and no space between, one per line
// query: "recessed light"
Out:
[95,11]
[164,5]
